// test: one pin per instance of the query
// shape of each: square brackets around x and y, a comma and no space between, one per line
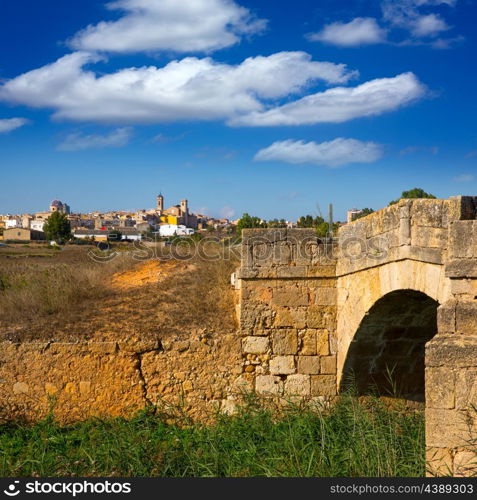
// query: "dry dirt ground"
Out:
[149,300]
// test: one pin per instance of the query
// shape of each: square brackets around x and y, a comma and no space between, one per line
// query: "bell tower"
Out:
[160,203]
[185,211]
[184,207]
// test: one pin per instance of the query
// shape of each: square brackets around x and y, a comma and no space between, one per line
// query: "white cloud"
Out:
[331,154]
[405,14]
[340,104]
[359,31]
[78,141]
[9,124]
[464,178]
[413,16]
[430,25]
[169,25]
[188,89]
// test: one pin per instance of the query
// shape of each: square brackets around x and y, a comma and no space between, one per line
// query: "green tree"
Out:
[364,213]
[57,227]
[275,223]
[310,221]
[323,229]
[249,221]
[414,193]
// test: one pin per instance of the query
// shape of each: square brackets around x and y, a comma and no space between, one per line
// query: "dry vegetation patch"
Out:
[69,296]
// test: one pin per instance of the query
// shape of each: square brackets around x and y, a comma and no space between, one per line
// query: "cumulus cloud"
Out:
[78,141]
[9,124]
[171,25]
[406,14]
[187,89]
[340,104]
[330,154]
[464,178]
[414,16]
[359,31]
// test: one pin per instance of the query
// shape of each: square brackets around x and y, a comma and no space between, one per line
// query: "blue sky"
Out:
[272,108]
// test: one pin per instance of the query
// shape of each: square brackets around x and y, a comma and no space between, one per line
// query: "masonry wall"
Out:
[451,361]
[76,381]
[288,313]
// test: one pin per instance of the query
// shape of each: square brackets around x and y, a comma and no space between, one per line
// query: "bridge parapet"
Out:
[415,229]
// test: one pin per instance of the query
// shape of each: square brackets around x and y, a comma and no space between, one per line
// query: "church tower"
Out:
[184,207]
[160,203]
[185,211]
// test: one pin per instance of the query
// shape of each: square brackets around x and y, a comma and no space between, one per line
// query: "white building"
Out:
[37,225]
[9,223]
[175,229]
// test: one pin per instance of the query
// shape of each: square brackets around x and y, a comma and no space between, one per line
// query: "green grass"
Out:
[355,438]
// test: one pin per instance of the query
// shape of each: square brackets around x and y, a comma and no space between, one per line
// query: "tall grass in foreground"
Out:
[354,438]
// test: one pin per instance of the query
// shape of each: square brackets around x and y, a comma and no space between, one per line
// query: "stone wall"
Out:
[77,381]
[451,361]
[451,405]
[287,287]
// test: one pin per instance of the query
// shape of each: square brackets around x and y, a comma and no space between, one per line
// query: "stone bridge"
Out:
[389,306]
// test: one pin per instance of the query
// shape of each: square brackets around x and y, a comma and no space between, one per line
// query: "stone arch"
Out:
[386,354]
[358,292]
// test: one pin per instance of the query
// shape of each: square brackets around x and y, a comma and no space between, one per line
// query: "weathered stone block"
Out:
[282,365]
[428,237]
[293,318]
[440,387]
[322,342]
[430,213]
[308,342]
[452,350]
[446,316]
[255,345]
[466,317]
[328,365]
[309,365]
[323,385]
[464,287]
[285,341]
[462,239]
[439,462]
[465,463]
[325,296]
[283,252]
[450,428]
[297,385]
[404,230]
[465,388]
[256,315]
[320,317]
[291,271]
[268,384]
[290,296]
[461,268]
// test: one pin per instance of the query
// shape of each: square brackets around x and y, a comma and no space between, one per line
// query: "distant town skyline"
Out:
[239,106]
